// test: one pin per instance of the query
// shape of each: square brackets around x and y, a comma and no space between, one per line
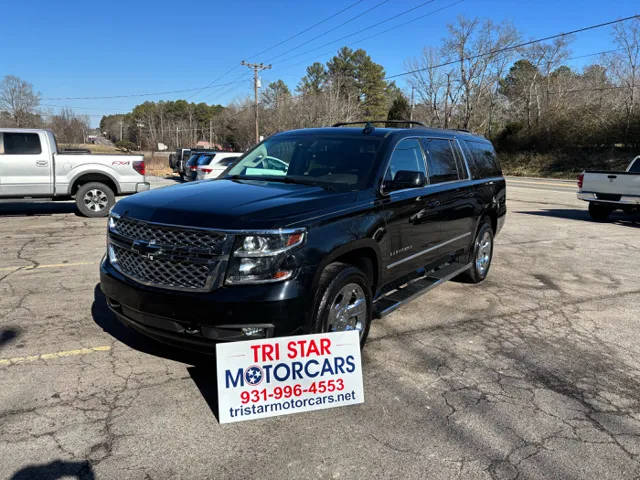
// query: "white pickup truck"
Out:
[609,191]
[32,167]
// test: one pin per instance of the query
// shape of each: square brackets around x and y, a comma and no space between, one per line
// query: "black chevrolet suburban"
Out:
[313,230]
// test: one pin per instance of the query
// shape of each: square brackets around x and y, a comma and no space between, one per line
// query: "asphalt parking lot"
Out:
[533,374]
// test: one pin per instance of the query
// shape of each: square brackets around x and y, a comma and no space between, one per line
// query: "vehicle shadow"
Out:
[618,218]
[55,470]
[107,320]
[22,209]
[202,367]
[205,378]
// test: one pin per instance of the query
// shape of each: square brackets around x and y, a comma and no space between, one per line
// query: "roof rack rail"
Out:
[369,122]
[462,130]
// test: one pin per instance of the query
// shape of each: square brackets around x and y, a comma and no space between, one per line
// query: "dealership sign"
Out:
[277,376]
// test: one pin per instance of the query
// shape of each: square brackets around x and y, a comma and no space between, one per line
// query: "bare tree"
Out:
[18,99]
[625,67]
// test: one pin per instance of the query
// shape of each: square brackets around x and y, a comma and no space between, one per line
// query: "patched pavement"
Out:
[532,374]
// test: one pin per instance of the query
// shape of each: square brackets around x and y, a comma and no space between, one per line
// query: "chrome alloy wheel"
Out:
[95,200]
[483,255]
[348,310]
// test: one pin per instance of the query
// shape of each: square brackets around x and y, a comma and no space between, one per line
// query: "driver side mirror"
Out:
[405,179]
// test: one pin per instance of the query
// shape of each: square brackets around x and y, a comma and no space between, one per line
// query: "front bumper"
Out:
[197,321]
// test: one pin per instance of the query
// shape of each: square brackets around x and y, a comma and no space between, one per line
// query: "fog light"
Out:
[253,331]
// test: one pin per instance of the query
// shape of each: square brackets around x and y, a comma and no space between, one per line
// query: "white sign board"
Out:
[278,376]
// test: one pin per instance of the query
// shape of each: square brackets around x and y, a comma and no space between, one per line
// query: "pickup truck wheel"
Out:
[343,301]
[94,199]
[482,255]
[598,212]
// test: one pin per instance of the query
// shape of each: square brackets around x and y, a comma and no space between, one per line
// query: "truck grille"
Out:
[160,272]
[169,257]
[170,236]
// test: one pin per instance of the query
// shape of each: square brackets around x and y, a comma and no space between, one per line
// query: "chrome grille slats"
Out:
[174,237]
[167,256]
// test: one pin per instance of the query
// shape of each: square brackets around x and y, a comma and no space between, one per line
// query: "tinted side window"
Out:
[21,143]
[635,168]
[483,158]
[441,162]
[407,156]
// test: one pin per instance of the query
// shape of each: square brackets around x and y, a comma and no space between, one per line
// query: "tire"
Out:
[482,254]
[598,212]
[336,280]
[95,199]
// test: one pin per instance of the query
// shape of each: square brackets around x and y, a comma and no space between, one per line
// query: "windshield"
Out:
[340,160]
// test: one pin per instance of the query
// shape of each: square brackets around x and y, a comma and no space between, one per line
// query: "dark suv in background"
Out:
[313,230]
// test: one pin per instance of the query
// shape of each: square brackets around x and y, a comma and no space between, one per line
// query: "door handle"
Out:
[41,163]
[612,176]
[433,204]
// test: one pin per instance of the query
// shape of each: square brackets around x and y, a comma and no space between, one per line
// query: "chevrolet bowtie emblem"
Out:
[146,249]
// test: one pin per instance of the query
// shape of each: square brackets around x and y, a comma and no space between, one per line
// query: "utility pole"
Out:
[256,68]
[120,129]
[210,133]
[177,143]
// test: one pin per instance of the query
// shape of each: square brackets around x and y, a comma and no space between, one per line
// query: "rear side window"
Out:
[205,160]
[440,160]
[21,143]
[482,159]
[635,166]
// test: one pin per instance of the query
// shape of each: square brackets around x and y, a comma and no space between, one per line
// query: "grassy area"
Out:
[561,164]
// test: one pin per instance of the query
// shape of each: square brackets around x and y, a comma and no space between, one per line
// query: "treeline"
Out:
[348,87]
[178,123]
[525,99]
[528,98]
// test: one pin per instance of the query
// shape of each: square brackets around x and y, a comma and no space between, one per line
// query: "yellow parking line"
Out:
[53,265]
[51,356]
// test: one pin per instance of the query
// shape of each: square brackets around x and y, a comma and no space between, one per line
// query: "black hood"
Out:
[233,204]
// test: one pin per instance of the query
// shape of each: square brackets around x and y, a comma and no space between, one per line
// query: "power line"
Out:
[318,23]
[308,28]
[331,29]
[380,23]
[166,92]
[432,12]
[512,47]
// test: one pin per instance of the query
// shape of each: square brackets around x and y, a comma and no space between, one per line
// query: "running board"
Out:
[389,302]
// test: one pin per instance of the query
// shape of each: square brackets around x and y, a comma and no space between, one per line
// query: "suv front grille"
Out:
[162,272]
[169,257]
[175,237]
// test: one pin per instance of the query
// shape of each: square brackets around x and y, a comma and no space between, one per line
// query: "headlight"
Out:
[263,257]
[261,245]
